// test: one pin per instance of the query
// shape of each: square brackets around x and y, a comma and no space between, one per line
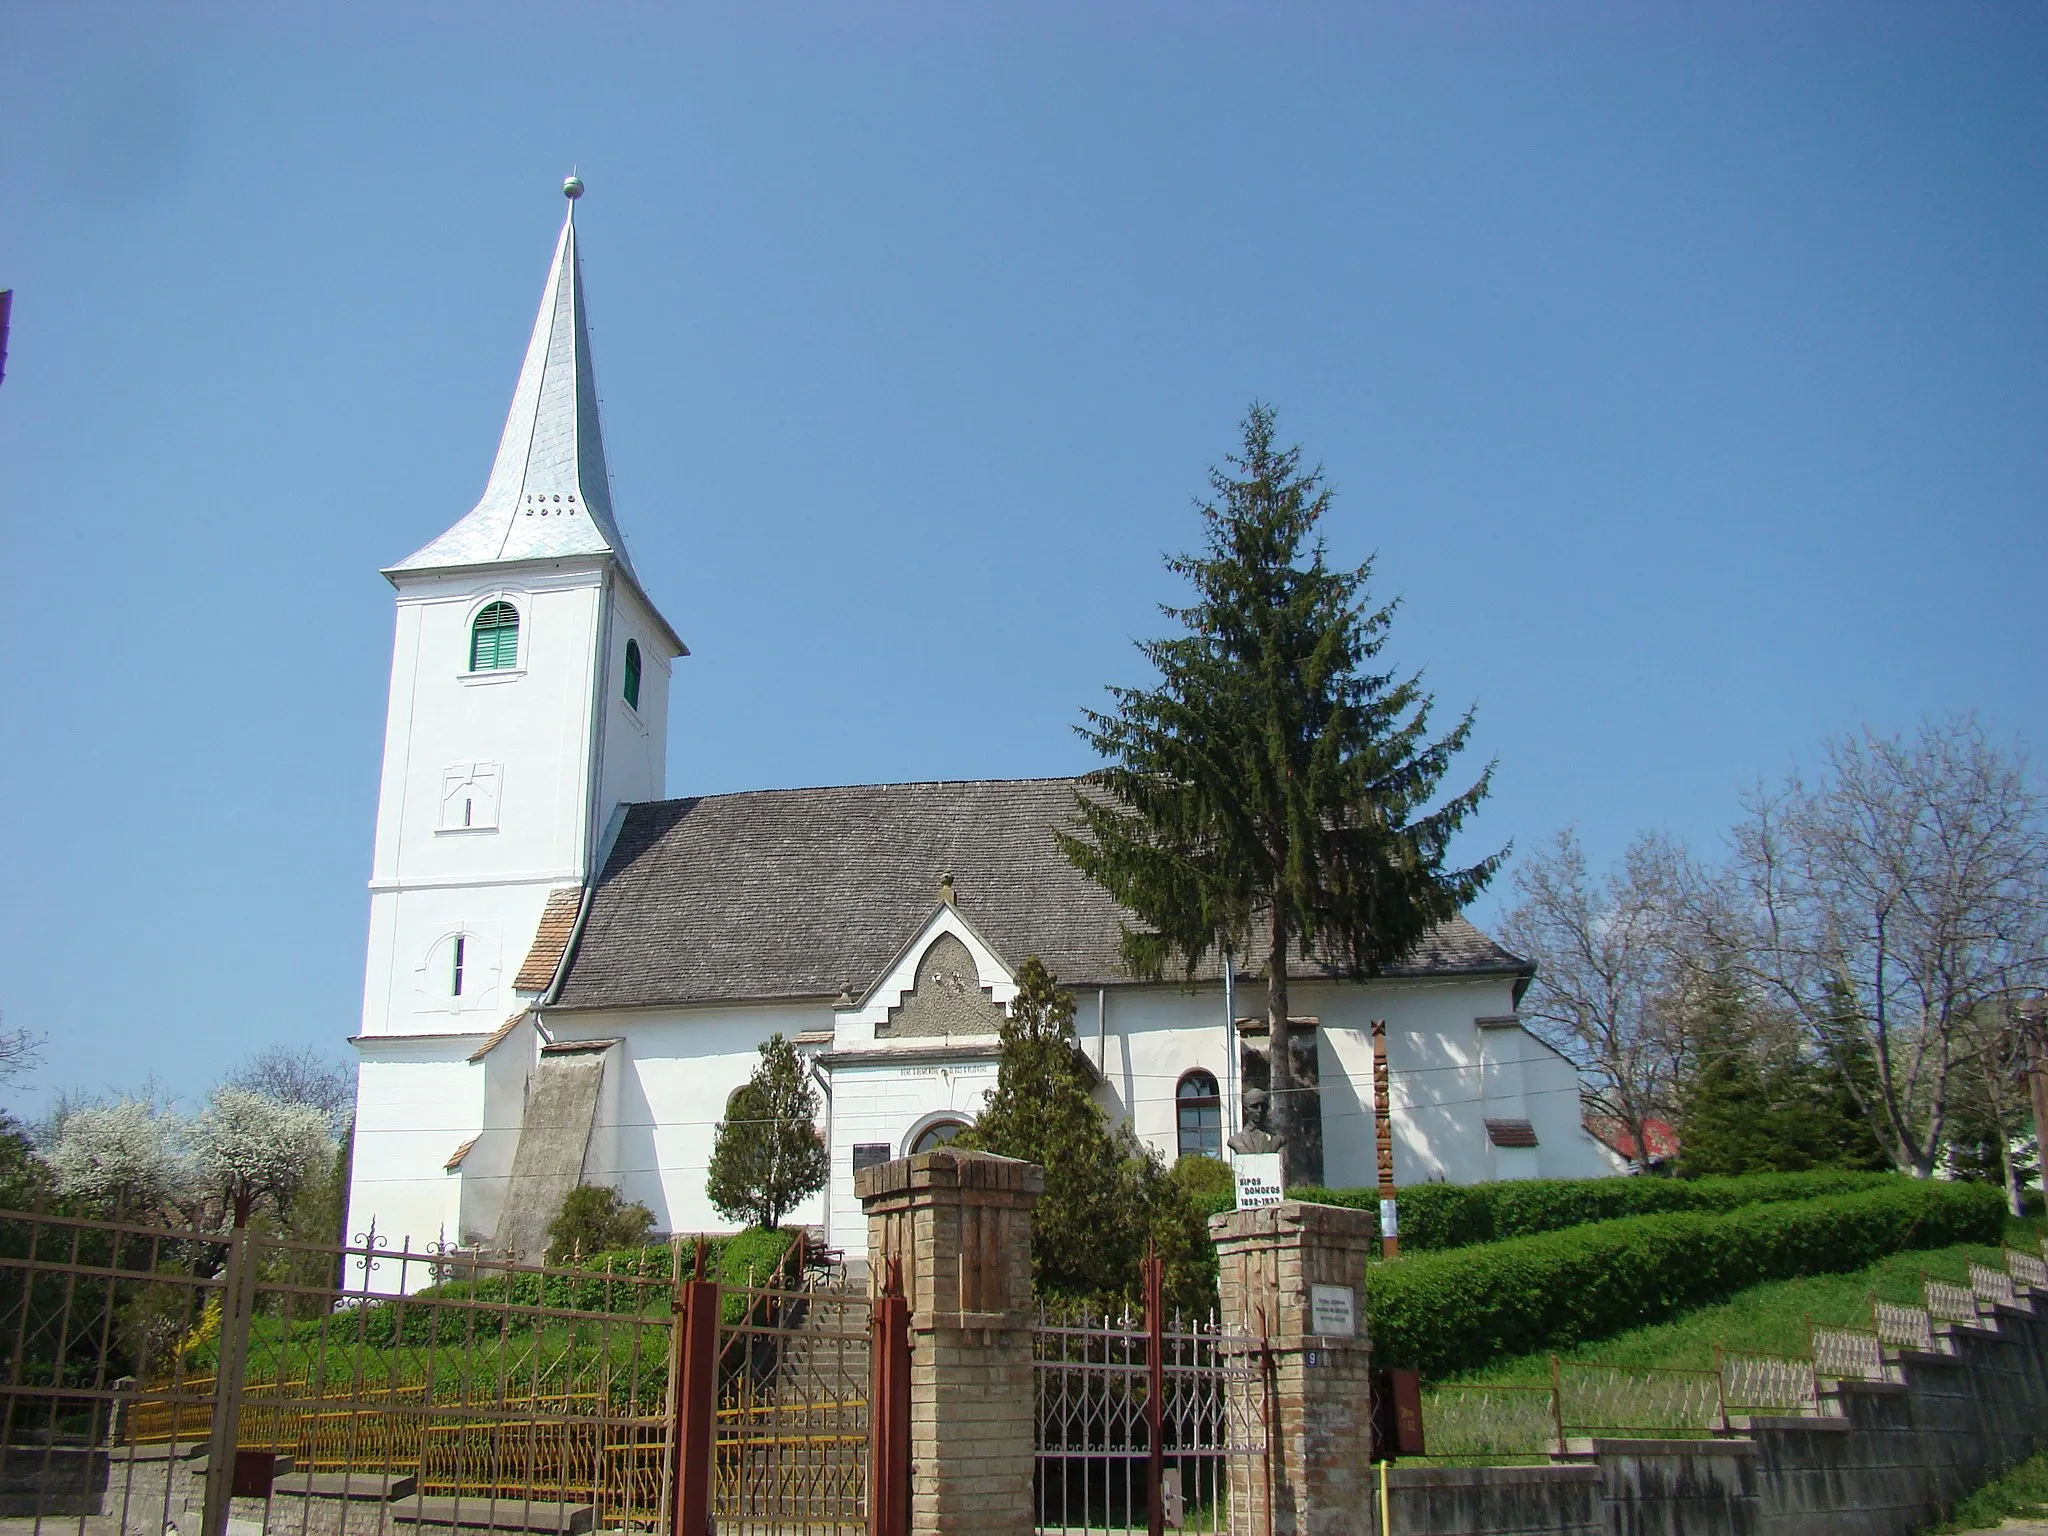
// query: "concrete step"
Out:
[164,1452]
[497,1514]
[347,1485]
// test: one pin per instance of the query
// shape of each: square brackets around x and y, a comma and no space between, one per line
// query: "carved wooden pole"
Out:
[1383,1114]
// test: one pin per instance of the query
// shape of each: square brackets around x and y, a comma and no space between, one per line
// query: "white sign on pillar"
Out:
[1333,1311]
[1258,1180]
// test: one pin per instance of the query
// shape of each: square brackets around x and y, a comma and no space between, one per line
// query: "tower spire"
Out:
[549,493]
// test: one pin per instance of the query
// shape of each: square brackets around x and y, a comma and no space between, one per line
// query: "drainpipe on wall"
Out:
[1102,1033]
[1230,1106]
[824,1081]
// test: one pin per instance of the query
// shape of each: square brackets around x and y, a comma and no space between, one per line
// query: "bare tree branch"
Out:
[1891,901]
[1610,959]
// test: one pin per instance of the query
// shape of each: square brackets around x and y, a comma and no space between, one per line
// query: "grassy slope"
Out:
[2023,1491]
[1770,1319]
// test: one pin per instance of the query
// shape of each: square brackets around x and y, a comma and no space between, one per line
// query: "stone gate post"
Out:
[1294,1275]
[959,1223]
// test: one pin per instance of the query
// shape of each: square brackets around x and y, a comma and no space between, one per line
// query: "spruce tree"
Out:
[1754,1102]
[768,1157]
[1726,1122]
[1276,793]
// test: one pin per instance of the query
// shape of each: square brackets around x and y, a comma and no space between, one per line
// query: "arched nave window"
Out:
[633,673]
[936,1135]
[1200,1107]
[494,638]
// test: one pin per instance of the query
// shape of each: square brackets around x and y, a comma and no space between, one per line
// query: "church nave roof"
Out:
[810,892]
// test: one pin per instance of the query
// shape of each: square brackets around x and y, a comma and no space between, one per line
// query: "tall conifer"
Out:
[1275,793]
[1106,1196]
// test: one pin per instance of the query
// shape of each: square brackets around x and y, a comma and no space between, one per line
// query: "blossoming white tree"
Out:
[248,1147]
[127,1156]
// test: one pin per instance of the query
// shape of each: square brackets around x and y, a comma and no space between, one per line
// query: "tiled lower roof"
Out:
[550,940]
[805,893]
[497,1036]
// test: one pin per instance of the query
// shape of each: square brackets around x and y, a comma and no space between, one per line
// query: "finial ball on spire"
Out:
[572,188]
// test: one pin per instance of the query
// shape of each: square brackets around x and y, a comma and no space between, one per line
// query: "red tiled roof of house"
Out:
[1662,1137]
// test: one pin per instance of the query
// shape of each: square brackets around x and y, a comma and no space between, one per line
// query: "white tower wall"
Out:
[498,782]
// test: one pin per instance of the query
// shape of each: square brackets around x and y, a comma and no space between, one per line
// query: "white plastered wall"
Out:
[525,731]
[486,1172]
[1441,1076]
[666,1086]
[633,753]
[417,1100]
[878,1102]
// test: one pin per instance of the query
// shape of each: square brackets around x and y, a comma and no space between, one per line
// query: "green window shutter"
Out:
[494,639]
[633,673]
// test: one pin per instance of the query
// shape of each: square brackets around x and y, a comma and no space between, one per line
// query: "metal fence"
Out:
[1147,1422]
[1532,1421]
[175,1380]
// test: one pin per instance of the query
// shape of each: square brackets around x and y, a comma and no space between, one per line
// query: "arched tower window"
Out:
[1200,1108]
[494,638]
[633,673]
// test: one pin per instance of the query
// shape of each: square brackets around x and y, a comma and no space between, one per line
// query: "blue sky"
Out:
[1685,367]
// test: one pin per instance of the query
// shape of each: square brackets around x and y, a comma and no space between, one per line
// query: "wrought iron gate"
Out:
[792,1433]
[1148,1423]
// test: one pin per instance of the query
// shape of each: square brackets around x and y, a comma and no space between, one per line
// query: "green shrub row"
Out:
[600,1285]
[1447,1312]
[1439,1216]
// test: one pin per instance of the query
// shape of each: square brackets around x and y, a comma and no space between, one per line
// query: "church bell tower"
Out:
[529,699]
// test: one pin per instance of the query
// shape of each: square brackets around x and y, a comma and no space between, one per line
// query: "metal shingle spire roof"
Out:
[549,493]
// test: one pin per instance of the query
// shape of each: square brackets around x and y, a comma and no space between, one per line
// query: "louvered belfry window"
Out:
[494,639]
[633,673]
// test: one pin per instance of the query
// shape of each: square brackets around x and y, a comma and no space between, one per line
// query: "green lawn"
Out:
[2023,1492]
[1770,1319]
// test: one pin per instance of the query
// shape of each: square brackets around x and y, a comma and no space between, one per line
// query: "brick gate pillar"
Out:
[959,1223]
[1294,1275]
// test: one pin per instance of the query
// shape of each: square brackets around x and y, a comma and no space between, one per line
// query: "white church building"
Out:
[569,973]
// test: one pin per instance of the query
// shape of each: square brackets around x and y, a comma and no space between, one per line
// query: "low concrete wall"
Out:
[1502,1501]
[51,1480]
[1891,1458]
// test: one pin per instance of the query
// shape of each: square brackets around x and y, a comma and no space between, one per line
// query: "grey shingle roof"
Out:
[808,892]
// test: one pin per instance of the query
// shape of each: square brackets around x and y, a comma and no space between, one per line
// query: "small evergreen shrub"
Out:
[1439,1216]
[595,1218]
[1207,1182]
[1442,1313]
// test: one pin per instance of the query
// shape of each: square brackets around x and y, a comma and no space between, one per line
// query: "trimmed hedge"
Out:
[1439,1216]
[1447,1312]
